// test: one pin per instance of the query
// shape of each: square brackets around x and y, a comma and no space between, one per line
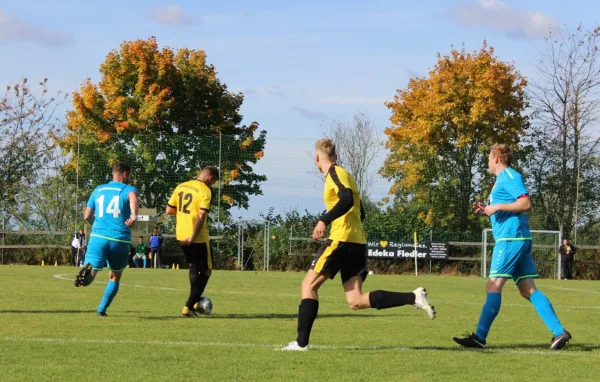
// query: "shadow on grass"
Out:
[52,311]
[259,316]
[573,347]
[450,348]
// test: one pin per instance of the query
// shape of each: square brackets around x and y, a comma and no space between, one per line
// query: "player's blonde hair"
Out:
[502,152]
[327,147]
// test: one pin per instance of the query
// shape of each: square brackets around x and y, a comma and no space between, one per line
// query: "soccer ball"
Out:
[204,306]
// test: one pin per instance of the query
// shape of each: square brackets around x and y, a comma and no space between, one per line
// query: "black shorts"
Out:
[198,254]
[350,259]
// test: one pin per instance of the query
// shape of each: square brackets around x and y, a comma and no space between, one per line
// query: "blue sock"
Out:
[144,262]
[488,314]
[546,312]
[109,293]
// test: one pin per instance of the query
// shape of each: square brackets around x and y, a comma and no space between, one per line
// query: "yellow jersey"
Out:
[189,198]
[348,227]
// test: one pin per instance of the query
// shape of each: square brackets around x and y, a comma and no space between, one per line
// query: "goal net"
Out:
[545,252]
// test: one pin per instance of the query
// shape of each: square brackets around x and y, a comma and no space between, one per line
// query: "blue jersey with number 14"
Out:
[110,203]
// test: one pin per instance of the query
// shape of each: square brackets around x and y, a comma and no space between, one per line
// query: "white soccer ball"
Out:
[205,305]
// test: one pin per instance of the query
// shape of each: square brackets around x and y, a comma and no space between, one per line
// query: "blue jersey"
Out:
[509,225]
[155,241]
[110,203]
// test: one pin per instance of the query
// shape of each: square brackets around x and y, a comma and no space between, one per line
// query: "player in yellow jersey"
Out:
[190,202]
[345,251]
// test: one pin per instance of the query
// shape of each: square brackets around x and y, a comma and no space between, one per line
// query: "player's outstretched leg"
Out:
[84,276]
[381,299]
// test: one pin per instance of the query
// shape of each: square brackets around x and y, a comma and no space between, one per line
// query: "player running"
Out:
[509,204]
[190,202]
[345,251]
[112,210]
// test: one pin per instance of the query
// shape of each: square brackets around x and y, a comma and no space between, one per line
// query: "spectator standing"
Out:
[155,241]
[567,255]
[77,247]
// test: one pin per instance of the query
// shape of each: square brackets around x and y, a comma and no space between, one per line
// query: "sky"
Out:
[299,63]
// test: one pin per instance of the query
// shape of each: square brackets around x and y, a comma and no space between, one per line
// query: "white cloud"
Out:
[353,100]
[276,91]
[250,92]
[497,15]
[172,15]
[310,114]
[13,28]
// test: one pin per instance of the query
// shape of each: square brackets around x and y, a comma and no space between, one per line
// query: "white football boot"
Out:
[422,303]
[293,346]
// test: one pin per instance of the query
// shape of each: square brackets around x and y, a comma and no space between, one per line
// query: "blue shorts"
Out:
[100,250]
[512,259]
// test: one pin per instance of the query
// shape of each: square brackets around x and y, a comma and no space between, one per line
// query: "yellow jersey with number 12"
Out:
[189,198]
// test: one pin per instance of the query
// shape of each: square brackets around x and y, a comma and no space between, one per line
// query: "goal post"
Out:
[546,245]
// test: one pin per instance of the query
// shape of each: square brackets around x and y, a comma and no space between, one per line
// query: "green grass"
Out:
[49,328]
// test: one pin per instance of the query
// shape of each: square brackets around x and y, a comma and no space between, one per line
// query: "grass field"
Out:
[48,328]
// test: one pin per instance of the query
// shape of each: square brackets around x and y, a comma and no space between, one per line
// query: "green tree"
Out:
[163,111]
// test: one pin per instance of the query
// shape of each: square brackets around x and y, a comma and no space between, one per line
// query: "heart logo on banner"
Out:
[383,243]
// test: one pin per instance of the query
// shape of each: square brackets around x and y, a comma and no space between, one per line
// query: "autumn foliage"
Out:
[162,110]
[442,127]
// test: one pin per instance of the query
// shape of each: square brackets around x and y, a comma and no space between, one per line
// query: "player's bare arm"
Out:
[340,209]
[522,204]
[88,215]
[171,210]
[134,204]
[319,230]
[478,208]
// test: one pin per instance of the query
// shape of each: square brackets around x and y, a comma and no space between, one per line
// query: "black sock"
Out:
[201,285]
[382,299]
[307,312]
[194,276]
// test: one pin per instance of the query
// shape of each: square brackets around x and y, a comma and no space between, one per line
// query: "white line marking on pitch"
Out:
[543,285]
[279,346]
[62,277]
[570,289]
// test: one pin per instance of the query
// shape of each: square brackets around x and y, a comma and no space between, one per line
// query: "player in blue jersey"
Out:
[112,210]
[508,207]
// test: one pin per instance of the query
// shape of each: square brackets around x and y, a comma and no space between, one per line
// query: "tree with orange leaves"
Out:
[442,129]
[162,111]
